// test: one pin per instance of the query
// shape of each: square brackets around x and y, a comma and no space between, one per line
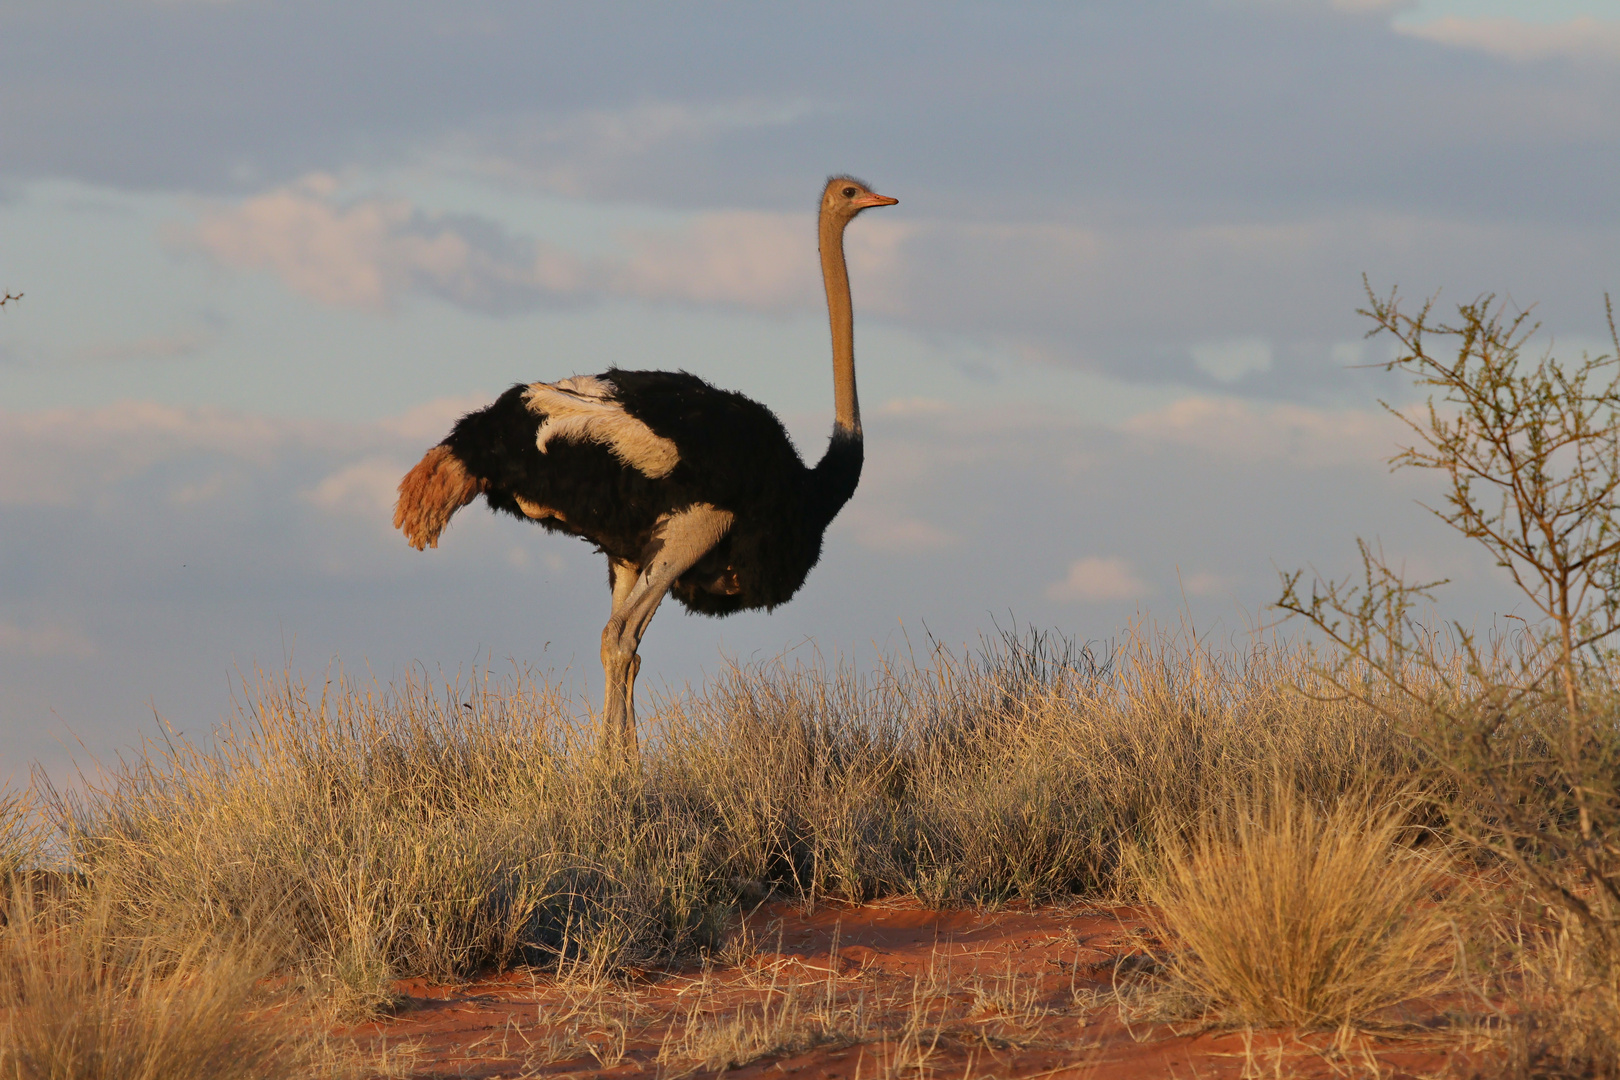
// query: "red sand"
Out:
[521,1024]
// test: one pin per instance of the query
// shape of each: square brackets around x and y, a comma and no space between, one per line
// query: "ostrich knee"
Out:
[619,666]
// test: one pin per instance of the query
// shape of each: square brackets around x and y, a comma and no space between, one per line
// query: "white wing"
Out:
[582,409]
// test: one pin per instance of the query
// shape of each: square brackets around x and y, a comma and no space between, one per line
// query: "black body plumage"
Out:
[733,455]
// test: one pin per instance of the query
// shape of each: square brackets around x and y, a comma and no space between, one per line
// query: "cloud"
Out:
[1155,301]
[705,105]
[1582,38]
[752,260]
[1098,579]
[56,457]
[366,253]
[1204,583]
[64,457]
[42,641]
[1352,7]
[1229,361]
[575,155]
[181,344]
[175,346]
[1375,7]
[757,261]
[915,406]
[1148,301]
[370,253]
[880,528]
[210,487]
[1248,431]
[80,457]
[366,488]
[431,419]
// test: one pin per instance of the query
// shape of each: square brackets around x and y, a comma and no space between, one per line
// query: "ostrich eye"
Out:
[849,193]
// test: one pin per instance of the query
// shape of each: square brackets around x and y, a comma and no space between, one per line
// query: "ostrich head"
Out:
[846,196]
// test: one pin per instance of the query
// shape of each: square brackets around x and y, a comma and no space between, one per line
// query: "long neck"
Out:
[835,476]
[847,409]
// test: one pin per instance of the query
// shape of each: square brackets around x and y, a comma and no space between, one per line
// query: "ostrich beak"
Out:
[874,199]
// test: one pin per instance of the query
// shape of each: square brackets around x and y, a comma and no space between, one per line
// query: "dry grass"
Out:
[1287,914]
[1566,1022]
[898,1022]
[789,1017]
[22,833]
[1018,774]
[379,836]
[598,1022]
[77,1001]
[443,831]
[361,835]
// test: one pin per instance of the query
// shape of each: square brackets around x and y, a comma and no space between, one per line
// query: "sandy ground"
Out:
[886,989]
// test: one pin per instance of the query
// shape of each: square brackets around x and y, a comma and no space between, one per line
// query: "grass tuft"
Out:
[1287,914]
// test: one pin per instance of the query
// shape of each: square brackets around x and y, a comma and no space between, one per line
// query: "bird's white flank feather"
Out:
[582,409]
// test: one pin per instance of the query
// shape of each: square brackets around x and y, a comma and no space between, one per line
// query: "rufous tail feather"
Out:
[430,495]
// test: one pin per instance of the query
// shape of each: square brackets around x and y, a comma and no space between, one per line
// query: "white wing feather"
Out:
[582,409]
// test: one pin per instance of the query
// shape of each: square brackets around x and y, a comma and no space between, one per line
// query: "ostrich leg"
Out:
[683,539]
[622,576]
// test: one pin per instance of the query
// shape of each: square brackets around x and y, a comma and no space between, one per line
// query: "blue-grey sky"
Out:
[1108,348]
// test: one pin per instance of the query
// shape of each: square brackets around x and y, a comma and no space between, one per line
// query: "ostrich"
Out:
[685,487]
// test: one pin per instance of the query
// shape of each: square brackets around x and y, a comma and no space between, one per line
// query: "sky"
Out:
[1111,367]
